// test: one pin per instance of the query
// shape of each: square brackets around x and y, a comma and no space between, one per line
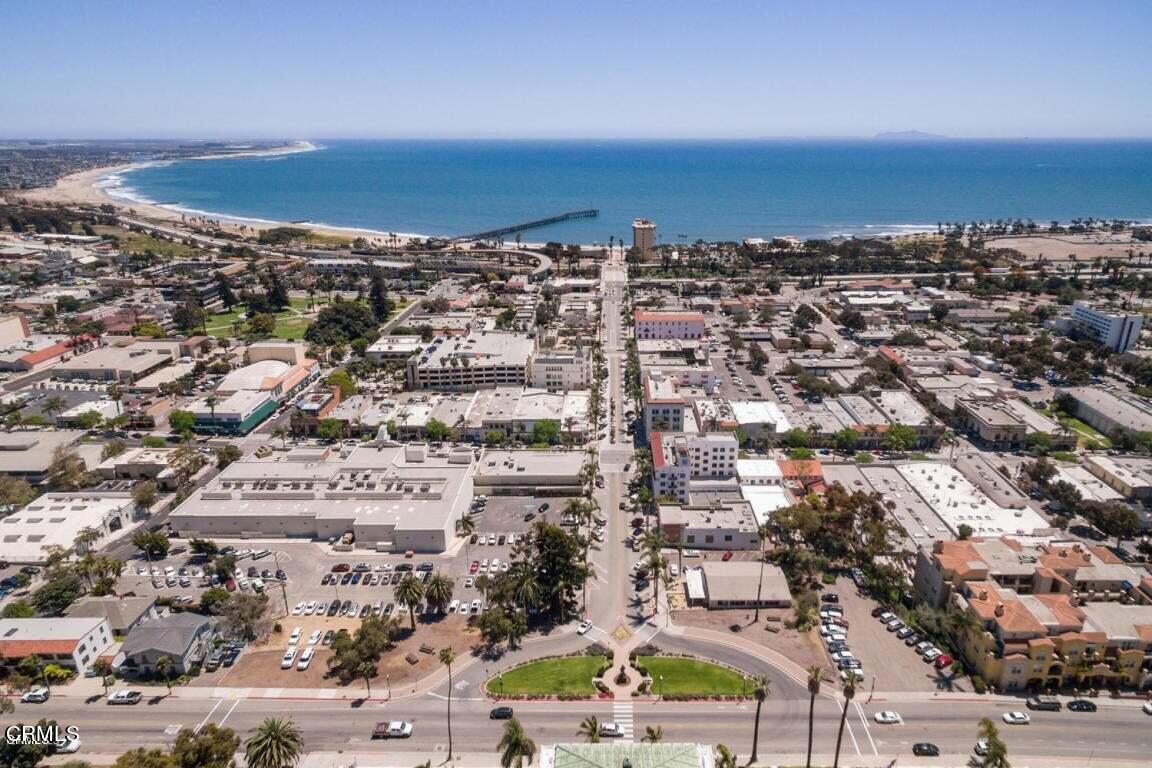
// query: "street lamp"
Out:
[388,682]
[661,696]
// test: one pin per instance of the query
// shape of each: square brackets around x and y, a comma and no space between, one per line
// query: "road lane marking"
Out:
[867,729]
[208,716]
[229,712]
[850,733]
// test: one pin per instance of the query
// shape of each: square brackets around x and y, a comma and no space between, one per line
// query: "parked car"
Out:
[288,658]
[1081,705]
[611,730]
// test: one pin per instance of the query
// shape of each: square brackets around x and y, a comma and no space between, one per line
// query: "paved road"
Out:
[1118,731]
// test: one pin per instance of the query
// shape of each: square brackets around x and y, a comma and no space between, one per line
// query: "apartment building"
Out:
[74,643]
[668,325]
[665,408]
[678,459]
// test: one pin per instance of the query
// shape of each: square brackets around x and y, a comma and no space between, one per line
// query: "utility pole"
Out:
[283,586]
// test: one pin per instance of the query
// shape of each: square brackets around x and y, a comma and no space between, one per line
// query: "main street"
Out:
[1119,731]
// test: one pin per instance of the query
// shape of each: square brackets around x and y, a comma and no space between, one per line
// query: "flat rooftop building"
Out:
[529,472]
[28,454]
[123,365]
[30,535]
[390,498]
[475,361]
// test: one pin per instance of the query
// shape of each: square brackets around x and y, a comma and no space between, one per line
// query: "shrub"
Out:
[978,684]
[648,649]
[598,649]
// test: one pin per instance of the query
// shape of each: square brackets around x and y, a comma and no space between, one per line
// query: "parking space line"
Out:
[867,728]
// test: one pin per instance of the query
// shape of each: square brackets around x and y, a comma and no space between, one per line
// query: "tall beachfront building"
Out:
[1114,330]
[643,236]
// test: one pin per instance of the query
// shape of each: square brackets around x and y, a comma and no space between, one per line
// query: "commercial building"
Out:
[29,454]
[560,370]
[388,498]
[393,348]
[1109,412]
[668,325]
[1129,476]
[1117,331]
[143,464]
[123,365]
[278,369]
[738,584]
[51,522]
[727,525]
[70,643]
[530,473]
[643,237]
[476,361]
[678,459]
[13,329]
[237,414]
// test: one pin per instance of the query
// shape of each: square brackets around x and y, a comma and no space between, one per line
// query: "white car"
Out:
[315,637]
[584,627]
[289,657]
[981,747]
[35,696]
[1017,718]
[452,606]
[298,609]
[310,608]
[888,717]
[830,640]
[306,658]
[67,746]
[397,729]
[476,606]
[931,654]
[611,729]
[295,636]
[1148,707]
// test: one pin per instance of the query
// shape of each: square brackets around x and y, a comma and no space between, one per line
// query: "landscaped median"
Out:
[681,677]
[564,677]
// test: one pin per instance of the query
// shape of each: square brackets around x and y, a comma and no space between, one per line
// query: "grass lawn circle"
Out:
[568,675]
[693,677]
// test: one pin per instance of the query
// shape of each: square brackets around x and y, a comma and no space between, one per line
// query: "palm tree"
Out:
[53,405]
[849,694]
[409,593]
[653,735]
[164,666]
[997,754]
[528,590]
[515,745]
[815,676]
[724,757]
[761,692]
[282,433]
[465,526]
[438,590]
[447,656]
[275,743]
[589,729]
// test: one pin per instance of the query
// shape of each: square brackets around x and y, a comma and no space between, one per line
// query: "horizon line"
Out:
[887,136]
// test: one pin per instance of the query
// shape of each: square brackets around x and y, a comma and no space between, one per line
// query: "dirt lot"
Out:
[1058,247]
[803,648]
[259,666]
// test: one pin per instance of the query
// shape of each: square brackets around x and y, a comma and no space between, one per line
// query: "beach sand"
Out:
[83,189]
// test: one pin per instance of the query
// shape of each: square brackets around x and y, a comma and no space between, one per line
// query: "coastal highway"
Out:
[1118,732]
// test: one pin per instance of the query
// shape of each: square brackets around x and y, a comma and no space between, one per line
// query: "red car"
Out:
[230,585]
[943,660]
[341,568]
[727,555]
[637,522]
[474,567]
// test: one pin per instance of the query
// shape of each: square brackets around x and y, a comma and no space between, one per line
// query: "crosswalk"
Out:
[622,716]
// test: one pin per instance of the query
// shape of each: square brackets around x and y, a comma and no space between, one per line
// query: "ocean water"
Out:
[713,190]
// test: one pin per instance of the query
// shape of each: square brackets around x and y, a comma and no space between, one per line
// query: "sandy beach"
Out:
[85,188]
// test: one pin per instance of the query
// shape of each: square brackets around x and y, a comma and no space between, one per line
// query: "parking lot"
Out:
[888,663]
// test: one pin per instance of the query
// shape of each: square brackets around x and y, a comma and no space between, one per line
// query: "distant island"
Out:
[908,136]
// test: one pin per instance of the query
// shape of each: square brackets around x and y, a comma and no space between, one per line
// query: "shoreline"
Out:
[90,188]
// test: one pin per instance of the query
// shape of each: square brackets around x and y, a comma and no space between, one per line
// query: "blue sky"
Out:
[595,68]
